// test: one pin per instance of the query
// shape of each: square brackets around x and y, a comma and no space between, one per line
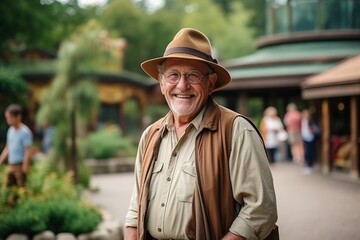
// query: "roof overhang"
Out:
[341,80]
[276,76]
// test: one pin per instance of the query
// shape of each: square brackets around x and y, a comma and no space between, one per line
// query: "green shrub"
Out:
[107,143]
[41,185]
[27,218]
[49,202]
[57,215]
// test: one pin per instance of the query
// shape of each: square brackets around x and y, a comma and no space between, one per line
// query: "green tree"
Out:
[146,33]
[125,19]
[39,23]
[230,34]
[13,89]
[257,7]
[225,5]
[257,20]
[205,16]
[239,38]
[72,98]
[159,37]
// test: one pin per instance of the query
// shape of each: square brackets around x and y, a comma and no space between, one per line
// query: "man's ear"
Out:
[161,83]
[212,81]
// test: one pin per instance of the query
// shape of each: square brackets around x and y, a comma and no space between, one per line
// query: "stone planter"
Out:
[112,165]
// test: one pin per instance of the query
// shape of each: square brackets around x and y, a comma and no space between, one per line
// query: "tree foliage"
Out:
[38,23]
[46,23]
[237,39]
[148,33]
[13,89]
[71,96]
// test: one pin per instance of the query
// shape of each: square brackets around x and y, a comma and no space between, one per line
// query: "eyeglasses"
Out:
[192,77]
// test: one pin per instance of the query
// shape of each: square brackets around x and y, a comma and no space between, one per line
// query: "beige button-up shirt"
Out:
[173,181]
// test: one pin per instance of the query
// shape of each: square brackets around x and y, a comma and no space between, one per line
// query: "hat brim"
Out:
[150,67]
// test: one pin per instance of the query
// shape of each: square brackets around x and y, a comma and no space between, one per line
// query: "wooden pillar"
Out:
[122,120]
[354,121]
[243,104]
[325,137]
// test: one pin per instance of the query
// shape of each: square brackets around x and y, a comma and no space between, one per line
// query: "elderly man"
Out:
[201,172]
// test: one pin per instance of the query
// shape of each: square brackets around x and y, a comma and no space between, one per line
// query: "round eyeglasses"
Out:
[192,77]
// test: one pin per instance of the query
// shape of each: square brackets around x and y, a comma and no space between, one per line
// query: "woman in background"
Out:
[270,128]
[292,120]
[309,131]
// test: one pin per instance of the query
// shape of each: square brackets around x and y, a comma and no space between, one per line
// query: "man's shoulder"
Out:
[244,123]
[237,118]
[25,129]
[153,127]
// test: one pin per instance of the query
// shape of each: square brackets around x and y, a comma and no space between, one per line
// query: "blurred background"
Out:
[74,67]
[82,58]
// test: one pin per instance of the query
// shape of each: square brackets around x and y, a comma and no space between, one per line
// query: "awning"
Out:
[287,65]
[341,80]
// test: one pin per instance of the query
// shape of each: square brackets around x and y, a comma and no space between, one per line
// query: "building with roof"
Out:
[338,92]
[303,38]
[117,88]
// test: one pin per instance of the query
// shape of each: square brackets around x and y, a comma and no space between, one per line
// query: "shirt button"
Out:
[174,154]
[168,179]
[163,204]
[159,229]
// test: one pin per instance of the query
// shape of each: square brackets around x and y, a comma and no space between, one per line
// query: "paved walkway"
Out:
[314,207]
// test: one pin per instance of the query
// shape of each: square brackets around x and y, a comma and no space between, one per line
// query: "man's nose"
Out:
[183,82]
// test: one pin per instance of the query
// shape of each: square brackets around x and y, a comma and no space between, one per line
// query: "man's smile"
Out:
[183,96]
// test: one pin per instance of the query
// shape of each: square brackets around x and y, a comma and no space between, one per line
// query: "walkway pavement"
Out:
[313,207]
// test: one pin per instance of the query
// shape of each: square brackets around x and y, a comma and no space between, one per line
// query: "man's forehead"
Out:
[178,62]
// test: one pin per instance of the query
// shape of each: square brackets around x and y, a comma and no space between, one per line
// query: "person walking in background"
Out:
[309,131]
[17,149]
[201,172]
[292,121]
[48,137]
[271,129]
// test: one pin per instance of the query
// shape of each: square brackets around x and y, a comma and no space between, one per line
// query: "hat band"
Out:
[190,51]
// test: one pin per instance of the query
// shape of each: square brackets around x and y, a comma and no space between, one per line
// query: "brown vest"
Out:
[213,203]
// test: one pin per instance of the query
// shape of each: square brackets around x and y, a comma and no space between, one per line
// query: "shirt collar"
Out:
[196,122]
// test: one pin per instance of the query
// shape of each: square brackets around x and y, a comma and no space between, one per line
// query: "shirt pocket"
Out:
[155,179]
[186,187]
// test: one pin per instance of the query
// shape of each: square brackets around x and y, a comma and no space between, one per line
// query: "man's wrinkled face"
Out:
[186,97]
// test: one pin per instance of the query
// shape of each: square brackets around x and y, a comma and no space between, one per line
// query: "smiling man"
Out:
[201,172]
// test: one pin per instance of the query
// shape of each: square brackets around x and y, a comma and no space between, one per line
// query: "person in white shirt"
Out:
[271,129]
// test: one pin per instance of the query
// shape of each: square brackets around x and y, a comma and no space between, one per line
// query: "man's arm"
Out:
[4,154]
[27,141]
[27,159]
[130,233]
[231,236]
[252,183]
[132,214]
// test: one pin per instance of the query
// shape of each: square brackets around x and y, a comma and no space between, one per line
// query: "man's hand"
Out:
[3,155]
[27,159]
[131,233]
[25,168]
[231,236]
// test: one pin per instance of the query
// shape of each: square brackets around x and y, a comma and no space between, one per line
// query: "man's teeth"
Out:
[183,96]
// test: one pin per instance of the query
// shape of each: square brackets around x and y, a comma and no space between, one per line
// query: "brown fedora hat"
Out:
[192,44]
